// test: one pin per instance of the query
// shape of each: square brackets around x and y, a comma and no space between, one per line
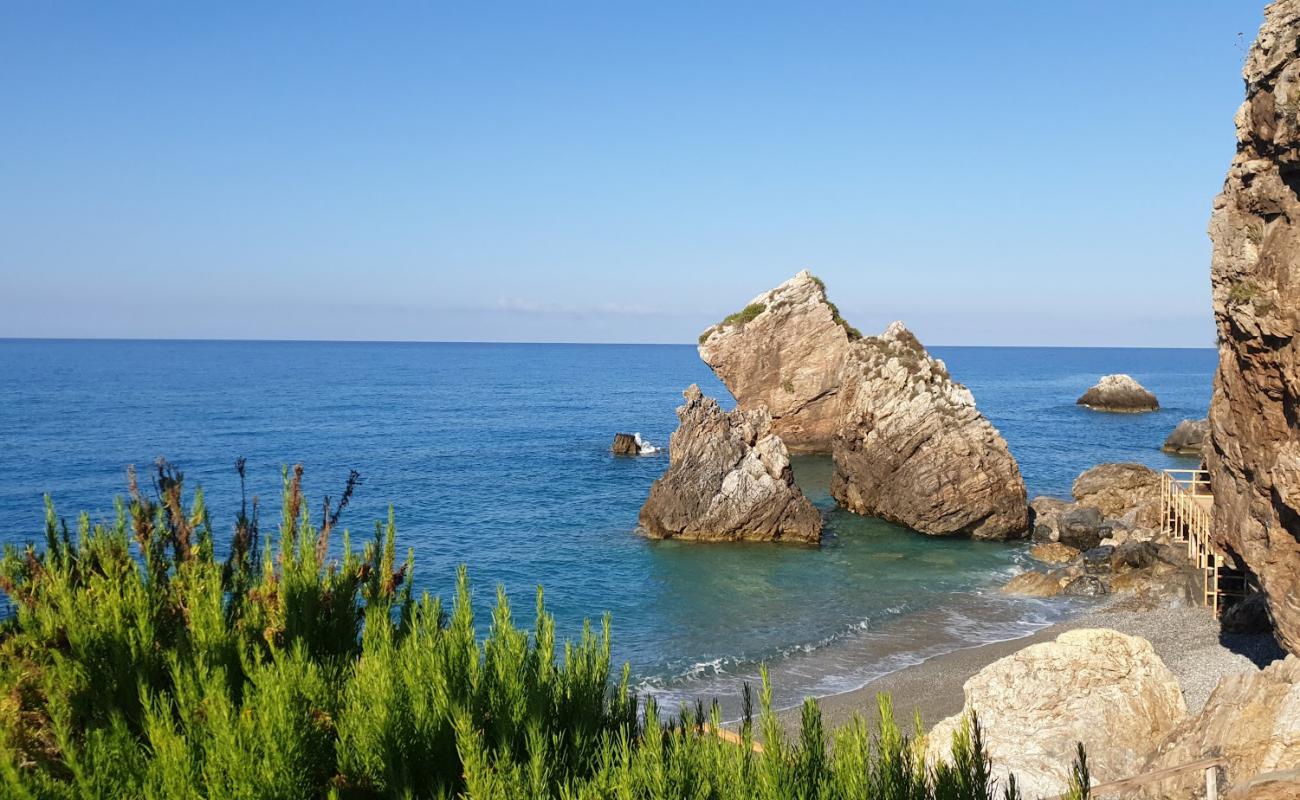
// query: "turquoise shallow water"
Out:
[496,456]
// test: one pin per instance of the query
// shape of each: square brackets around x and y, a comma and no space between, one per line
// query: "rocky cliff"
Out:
[785,352]
[912,448]
[1254,452]
[728,478]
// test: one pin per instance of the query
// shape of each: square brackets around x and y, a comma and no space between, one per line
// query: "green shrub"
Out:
[744,315]
[138,665]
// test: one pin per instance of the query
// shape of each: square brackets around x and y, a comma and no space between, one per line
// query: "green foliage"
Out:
[138,665]
[852,332]
[744,315]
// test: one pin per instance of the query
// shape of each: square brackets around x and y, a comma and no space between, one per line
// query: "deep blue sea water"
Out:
[496,456]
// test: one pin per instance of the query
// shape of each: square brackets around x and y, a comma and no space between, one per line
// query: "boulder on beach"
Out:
[1254,451]
[1188,438]
[1121,491]
[1119,393]
[908,442]
[1097,686]
[1053,553]
[1252,720]
[913,449]
[728,478]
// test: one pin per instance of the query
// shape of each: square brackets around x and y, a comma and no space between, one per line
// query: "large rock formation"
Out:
[1119,393]
[1252,720]
[1097,686]
[1254,453]
[1188,438]
[786,352]
[913,449]
[908,442]
[728,478]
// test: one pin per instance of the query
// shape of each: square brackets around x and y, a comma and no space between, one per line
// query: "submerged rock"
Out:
[728,478]
[1254,451]
[913,448]
[1188,438]
[1096,686]
[1118,393]
[908,442]
[1252,719]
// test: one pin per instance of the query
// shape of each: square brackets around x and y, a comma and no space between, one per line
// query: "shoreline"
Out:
[1186,638]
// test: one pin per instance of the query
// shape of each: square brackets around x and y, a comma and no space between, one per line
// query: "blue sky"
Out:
[992,172]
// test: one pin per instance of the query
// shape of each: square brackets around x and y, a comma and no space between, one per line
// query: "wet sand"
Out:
[1186,639]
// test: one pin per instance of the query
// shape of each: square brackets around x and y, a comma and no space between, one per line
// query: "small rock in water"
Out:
[1119,393]
[625,444]
[1188,439]
[1085,586]
[1053,553]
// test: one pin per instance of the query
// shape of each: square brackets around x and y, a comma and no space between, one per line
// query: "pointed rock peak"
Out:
[693,393]
[898,332]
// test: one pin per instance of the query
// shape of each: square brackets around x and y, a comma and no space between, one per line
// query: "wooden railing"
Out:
[1124,787]
[1186,513]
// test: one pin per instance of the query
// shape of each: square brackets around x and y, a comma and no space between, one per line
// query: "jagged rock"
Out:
[1254,451]
[1121,490]
[1081,527]
[1188,438]
[1118,393]
[625,444]
[787,352]
[908,442]
[1134,554]
[1096,686]
[1053,553]
[1085,586]
[728,478]
[1160,586]
[1247,616]
[913,448]
[1033,584]
[1252,719]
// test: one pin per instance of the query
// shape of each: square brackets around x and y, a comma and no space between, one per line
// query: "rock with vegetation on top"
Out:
[1252,720]
[908,442]
[728,478]
[1097,686]
[1254,451]
[1119,393]
[1121,491]
[1188,438]
[913,448]
[786,352]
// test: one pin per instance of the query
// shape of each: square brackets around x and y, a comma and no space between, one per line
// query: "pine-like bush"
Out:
[137,664]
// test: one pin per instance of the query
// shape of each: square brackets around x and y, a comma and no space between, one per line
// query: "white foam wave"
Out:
[644,447]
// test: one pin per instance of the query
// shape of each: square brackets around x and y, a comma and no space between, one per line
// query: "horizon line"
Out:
[160,340]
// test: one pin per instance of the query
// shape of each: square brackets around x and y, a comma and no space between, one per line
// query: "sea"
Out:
[496,456]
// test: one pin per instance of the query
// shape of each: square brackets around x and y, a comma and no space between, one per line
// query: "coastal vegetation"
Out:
[137,662]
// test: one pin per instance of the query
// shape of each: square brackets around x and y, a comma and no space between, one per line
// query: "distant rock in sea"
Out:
[908,443]
[913,448]
[728,478]
[631,444]
[1119,393]
[1188,438]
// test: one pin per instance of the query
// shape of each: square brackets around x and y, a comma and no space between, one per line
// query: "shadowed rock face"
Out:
[1254,452]
[908,442]
[1119,393]
[913,449]
[1188,439]
[785,352]
[729,478]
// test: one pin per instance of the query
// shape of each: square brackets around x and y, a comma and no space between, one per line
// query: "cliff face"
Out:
[912,448]
[1254,452]
[728,478]
[785,352]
